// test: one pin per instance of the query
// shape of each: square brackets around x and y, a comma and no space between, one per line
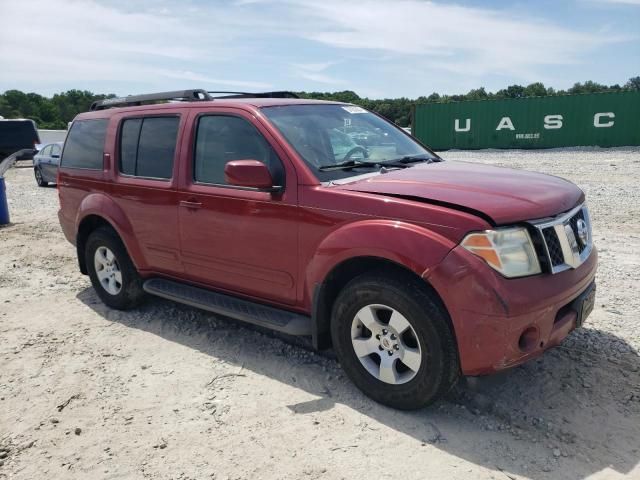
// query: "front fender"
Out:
[103,206]
[412,246]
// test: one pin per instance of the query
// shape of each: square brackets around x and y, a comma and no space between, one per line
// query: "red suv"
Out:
[324,219]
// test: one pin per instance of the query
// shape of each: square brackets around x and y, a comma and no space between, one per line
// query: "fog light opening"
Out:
[529,339]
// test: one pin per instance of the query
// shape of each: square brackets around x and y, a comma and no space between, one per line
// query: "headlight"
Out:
[510,251]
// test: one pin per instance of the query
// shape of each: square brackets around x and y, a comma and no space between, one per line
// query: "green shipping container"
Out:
[604,119]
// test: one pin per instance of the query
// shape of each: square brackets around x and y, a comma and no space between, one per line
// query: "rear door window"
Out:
[147,146]
[55,150]
[84,146]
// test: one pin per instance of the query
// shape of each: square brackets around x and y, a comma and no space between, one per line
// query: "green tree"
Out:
[536,89]
[512,91]
[48,113]
[633,83]
[587,87]
[477,94]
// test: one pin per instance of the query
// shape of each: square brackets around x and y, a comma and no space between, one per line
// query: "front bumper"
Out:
[500,322]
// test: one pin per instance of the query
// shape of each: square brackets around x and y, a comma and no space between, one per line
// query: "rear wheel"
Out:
[112,273]
[39,179]
[393,340]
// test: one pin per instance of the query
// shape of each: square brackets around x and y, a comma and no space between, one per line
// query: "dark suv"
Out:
[18,137]
[414,269]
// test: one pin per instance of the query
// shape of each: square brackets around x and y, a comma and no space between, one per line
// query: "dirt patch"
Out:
[167,391]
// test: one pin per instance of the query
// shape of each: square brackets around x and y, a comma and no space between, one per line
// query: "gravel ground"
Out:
[167,391]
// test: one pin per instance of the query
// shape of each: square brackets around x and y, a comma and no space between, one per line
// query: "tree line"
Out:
[57,111]
[399,109]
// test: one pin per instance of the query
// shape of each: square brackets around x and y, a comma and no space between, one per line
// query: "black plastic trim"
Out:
[320,333]
[262,315]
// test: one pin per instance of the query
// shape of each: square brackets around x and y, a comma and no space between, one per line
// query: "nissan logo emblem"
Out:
[583,231]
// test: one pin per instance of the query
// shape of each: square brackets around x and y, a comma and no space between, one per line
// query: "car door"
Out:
[144,184]
[54,162]
[233,238]
[44,162]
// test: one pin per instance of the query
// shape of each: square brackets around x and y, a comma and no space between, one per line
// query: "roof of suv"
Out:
[218,102]
[270,102]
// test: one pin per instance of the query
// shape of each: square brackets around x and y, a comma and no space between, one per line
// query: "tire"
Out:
[112,273]
[39,179]
[377,299]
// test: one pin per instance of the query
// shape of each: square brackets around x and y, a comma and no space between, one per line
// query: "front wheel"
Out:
[112,273]
[393,340]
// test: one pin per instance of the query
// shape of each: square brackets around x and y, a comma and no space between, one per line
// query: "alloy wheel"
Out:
[386,344]
[108,270]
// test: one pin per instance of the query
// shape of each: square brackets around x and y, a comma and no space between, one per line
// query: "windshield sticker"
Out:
[354,109]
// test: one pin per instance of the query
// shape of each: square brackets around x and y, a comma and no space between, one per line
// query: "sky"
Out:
[376,48]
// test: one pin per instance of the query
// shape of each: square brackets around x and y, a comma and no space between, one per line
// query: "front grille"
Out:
[553,245]
[567,239]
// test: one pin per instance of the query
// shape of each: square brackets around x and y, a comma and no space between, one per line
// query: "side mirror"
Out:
[250,174]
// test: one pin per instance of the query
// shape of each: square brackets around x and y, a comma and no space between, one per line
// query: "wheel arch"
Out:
[362,246]
[98,210]
[326,292]
[88,225]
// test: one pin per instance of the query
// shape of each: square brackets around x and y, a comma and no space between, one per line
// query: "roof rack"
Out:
[195,95]
[131,100]
[277,94]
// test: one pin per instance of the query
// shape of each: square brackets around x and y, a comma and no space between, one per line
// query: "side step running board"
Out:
[250,312]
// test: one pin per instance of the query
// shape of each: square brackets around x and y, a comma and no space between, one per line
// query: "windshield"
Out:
[326,136]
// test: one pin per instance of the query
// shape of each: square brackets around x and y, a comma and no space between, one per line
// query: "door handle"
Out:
[190,204]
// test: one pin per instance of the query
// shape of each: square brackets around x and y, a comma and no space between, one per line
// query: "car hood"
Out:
[504,195]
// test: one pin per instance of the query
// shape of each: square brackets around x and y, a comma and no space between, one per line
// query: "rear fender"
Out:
[103,206]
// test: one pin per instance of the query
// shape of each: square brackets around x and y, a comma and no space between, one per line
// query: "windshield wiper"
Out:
[403,161]
[347,165]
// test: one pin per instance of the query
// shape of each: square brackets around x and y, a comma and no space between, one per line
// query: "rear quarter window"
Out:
[84,146]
